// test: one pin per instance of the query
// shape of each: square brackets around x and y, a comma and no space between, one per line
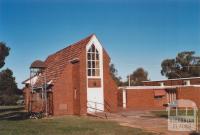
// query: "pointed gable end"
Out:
[56,62]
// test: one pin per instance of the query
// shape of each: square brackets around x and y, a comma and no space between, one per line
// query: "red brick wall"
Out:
[191,93]
[33,101]
[120,98]
[110,87]
[83,83]
[26,94]
[76,87]
[195,81]
[63,93]
[36,102]
[73,77]
[68,82]
[144,99]
[93,83]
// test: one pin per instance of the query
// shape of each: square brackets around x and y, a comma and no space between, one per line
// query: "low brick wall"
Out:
[191,93]
[144,99]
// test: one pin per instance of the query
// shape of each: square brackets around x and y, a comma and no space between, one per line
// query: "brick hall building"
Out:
[158,94]
[77,81]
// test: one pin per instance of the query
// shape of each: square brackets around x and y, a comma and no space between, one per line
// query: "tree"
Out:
[114,74]
[184,65]
[8,88]
[137,77]
[4,52]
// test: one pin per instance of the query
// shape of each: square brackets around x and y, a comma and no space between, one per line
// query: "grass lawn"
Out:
[19,124]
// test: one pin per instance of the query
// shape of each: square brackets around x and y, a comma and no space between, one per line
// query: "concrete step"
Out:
[98,115]
[106,115]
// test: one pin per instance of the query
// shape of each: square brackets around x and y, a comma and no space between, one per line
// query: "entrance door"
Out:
[95,100]
[50,103]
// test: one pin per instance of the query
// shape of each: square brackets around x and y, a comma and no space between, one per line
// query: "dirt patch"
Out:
[144,120]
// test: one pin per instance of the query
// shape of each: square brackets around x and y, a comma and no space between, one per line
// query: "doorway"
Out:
[76,101]
[95,100]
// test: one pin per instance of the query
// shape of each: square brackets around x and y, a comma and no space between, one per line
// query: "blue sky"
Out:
[137,33]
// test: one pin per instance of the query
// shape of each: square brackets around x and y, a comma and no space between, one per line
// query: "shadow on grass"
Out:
[14,116]
[194,133]
[163,116]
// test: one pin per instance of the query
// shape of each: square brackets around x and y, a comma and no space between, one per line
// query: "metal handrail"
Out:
[95,102]
[96,109]
[106,105]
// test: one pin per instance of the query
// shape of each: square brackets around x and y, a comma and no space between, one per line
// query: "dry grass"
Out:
[17,123]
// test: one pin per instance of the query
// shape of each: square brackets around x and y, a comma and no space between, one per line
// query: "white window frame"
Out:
[99,47]
[91,60]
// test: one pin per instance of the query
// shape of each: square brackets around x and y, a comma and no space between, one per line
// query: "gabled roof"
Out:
[38,64]
[27,81]
[56,62]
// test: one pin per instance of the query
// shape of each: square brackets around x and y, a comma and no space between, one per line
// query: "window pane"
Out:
[93,48]
[93,72]
[97,72]
[93,64]
[97,64]
[89,56]
[93,56]
[89,72]
[90,50]
[97,52]
[97,56]
[89,64]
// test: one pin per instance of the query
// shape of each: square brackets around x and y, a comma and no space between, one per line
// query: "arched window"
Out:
[93,62]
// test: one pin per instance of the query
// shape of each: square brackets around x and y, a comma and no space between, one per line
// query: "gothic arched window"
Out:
[93,62]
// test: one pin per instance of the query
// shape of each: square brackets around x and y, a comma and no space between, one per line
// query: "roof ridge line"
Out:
[70,45]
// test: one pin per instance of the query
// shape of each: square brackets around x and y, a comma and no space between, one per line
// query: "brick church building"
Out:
[77,81]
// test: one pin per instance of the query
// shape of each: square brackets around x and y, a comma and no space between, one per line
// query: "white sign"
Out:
[182,116]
